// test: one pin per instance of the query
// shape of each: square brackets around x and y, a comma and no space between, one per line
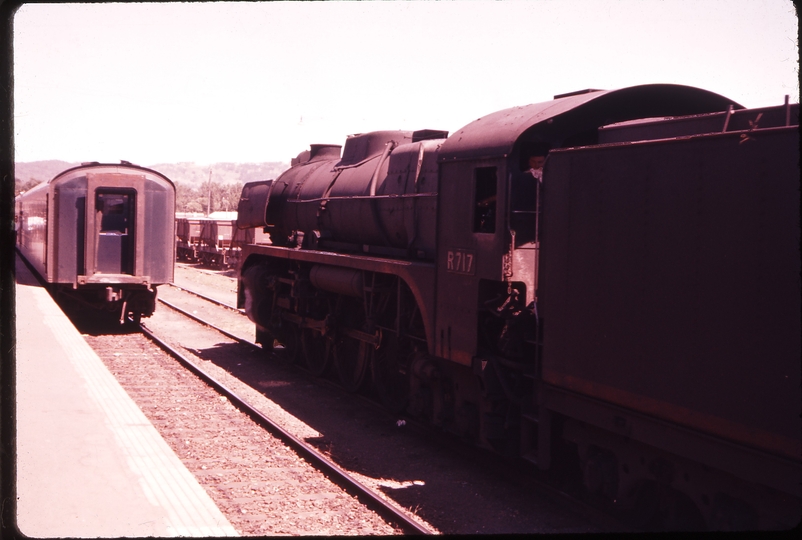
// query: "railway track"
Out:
[200,320]
[207,298]
[456,448]
[389,511]
[262,486]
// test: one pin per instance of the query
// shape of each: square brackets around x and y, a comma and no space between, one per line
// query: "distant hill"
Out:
[39,171]
[222,173]
[184,173]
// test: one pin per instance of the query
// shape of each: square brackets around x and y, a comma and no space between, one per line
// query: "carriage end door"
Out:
[115,223]
[114,214]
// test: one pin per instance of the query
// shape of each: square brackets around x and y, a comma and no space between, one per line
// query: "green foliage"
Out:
[221,184]
[192,206]
[224,197]
[22,186]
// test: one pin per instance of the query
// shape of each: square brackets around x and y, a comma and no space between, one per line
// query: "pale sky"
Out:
[255,82]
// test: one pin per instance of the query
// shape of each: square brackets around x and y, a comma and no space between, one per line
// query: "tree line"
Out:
[209,197]
[23,186]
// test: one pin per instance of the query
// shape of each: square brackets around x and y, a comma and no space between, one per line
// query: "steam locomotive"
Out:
[101,234]
[631,311]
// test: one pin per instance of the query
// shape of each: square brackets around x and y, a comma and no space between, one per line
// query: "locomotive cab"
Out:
[489,238]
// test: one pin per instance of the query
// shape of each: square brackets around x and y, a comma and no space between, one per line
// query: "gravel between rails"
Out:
[221,286]
[261,486]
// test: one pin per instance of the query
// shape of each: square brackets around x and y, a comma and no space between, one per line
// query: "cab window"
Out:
[485,190]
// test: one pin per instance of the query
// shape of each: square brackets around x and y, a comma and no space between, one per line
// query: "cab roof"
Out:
[555,122]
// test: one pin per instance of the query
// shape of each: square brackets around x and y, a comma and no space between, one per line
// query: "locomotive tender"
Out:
[634,314]
[102,234]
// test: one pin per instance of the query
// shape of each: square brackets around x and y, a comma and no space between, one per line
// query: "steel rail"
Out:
[333,471]
[207,323]
[207,298]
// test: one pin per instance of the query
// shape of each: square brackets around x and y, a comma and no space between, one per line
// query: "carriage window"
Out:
[484,214]
[114,211]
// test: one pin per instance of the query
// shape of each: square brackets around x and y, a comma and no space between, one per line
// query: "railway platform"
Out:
[88,461]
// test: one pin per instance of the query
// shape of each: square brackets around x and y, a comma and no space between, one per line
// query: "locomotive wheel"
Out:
[352,357]
[290,344]
[390,371]
[316,351]
[265,339]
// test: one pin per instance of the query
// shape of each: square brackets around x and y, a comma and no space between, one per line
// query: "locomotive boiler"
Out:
[101,234]
[630,312]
